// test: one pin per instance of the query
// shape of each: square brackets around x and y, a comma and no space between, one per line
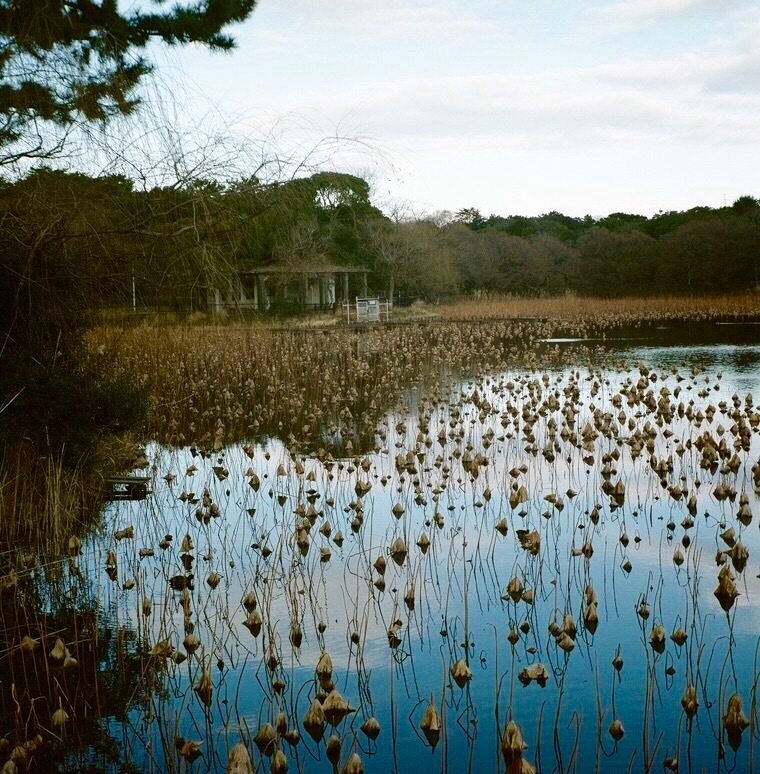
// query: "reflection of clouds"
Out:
[340,592]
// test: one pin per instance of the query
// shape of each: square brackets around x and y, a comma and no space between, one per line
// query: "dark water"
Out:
[461,609]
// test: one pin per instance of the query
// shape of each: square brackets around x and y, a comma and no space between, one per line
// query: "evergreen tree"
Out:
[69,61]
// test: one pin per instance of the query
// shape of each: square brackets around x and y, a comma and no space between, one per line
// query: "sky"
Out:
[507,106]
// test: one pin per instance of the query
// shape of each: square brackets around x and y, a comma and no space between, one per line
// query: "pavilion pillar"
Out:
[364,284]
[260,293]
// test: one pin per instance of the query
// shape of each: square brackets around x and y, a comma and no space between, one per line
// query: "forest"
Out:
[99,242]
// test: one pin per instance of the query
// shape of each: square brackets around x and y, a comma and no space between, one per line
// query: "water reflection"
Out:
[64,653]
[562,524]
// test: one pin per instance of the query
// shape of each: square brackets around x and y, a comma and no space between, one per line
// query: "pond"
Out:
[535,547]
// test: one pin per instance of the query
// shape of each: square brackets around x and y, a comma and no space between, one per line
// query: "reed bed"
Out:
[606,312]
[44,498]
[450,545]
[211,383]
[208,384]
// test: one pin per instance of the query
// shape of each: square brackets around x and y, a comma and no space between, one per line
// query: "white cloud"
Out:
[655,102]
[428,20]
[392,18]
[722,73]
[270,37]
[626,15]
[485,81]
[652,10]
[654,73]
[742,76]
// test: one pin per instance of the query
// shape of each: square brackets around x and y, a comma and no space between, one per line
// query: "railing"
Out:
[367,310]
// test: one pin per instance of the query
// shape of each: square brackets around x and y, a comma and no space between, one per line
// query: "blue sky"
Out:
[516,107]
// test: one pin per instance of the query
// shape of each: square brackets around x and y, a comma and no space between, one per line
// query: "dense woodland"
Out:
[69,243]
[92,241]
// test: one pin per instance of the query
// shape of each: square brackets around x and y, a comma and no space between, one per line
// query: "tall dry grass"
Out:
[212,384]
[607,311]
[43,499]
[40,497]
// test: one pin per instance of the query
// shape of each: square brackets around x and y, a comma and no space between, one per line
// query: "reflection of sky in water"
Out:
[462,576]
[739,362]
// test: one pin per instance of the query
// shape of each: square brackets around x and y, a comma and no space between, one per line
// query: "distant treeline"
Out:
[701,250]
[70,243]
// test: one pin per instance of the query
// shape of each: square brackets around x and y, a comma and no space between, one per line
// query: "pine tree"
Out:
[66,61]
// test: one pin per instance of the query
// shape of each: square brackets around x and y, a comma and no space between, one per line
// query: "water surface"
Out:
[247,511]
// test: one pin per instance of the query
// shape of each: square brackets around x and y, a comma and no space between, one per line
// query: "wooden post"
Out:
[260,293]
[364,284]
[345,287]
